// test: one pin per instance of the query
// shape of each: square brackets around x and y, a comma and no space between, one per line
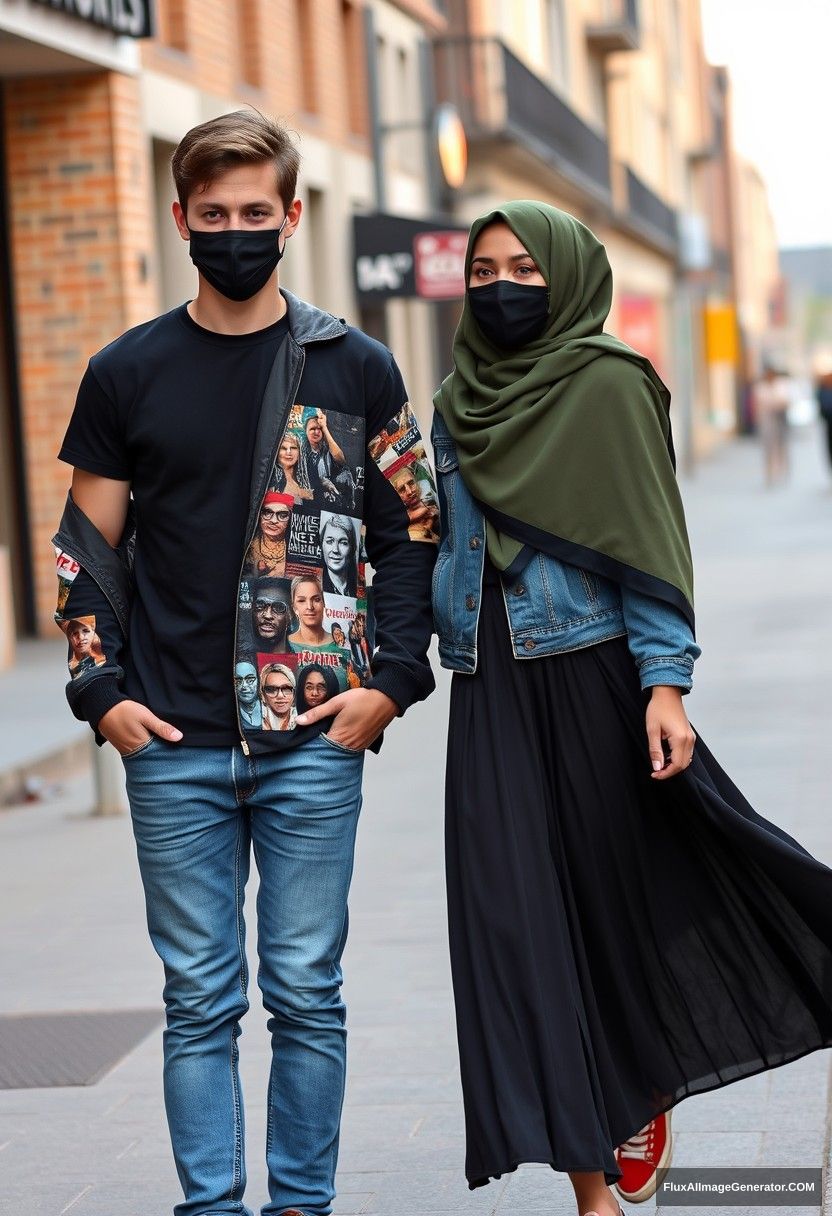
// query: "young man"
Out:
[188,414]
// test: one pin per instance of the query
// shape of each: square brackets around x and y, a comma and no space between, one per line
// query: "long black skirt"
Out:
[617,943]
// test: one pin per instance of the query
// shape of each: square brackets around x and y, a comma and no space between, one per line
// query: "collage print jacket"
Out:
[374,637]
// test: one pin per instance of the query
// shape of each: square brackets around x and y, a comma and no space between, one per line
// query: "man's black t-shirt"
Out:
[187,453]
[173,409]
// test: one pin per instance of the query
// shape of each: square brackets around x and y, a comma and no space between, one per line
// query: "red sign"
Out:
[439,264]
[640,326]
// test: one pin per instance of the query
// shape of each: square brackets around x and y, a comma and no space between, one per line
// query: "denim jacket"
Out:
[552,606]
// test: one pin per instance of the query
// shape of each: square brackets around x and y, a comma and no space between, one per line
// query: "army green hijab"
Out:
[566,443]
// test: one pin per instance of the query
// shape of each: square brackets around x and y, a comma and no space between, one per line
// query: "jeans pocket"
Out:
[342,747]
[141,749]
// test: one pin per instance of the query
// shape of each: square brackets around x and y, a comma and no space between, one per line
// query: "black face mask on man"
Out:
[237,262]
[510,314]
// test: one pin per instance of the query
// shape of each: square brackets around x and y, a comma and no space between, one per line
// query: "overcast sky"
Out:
[779,55]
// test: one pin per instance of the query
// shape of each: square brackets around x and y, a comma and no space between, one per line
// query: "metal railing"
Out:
[647,208]
[498,97]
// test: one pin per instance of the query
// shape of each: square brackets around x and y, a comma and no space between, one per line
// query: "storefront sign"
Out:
[398,257]
[721,345]
[639,325]
[440,264]
[132,18]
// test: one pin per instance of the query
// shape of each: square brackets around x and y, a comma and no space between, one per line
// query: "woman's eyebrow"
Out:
[515,257]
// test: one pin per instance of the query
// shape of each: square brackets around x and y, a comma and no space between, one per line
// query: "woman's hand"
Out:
[361,714]
[666,719]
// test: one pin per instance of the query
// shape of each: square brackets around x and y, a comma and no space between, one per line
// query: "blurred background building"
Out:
[607,108]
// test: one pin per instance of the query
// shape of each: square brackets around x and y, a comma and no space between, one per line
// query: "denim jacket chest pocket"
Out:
[551,595]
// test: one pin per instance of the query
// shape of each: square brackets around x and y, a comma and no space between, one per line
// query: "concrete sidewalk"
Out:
[72,935]
[39,738]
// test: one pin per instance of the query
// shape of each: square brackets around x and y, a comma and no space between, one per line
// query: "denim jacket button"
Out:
[470,602]
[519,589]
[529,644]
[474,542]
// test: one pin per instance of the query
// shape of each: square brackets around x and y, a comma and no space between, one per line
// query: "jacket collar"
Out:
[310,324]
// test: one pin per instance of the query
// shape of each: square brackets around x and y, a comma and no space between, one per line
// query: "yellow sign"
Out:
[721,345]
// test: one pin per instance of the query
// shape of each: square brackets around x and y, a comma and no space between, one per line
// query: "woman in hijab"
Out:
[292,474]
[625,930]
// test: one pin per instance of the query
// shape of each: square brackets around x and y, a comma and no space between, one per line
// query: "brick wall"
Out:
[80,224]
[295,59]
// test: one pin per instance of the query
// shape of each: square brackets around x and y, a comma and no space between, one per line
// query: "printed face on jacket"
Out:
[270,614]
[85,650]
[245,682]
[400,455]
[308,604]
[302,617]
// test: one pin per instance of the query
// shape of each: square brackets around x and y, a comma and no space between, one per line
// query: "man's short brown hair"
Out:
[245,137]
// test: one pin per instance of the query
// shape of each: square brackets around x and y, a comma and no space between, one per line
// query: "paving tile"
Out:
[698,1150]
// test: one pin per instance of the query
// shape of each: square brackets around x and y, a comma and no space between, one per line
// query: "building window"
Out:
[304,11]
[249,43]
[352,26]
[597,76]
[556,38]
[677,58]
[172,24]
[319,246]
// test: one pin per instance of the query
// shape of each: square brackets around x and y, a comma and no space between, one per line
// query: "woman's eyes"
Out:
[523,272]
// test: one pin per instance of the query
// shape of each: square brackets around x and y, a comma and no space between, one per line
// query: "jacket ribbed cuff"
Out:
[91,703]
[401,685]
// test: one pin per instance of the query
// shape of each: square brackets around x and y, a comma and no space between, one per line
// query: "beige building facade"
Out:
[608,109]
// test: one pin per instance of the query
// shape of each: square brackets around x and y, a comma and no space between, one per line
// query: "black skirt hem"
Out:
[484,1180]
[535,1159]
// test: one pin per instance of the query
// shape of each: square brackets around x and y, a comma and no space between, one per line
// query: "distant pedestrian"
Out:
[624,929]
[772,397]
[823,395]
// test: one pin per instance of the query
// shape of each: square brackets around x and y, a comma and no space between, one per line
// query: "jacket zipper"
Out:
[249,538]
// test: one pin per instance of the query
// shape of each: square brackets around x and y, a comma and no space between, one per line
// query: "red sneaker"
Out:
[644,1160]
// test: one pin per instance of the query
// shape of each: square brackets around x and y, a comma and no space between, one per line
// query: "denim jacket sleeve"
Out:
[660,640]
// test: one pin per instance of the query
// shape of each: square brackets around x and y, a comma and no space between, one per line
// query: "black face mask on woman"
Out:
[510,314]
[237,262]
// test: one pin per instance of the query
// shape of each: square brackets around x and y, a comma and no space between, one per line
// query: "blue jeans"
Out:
[196,812]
